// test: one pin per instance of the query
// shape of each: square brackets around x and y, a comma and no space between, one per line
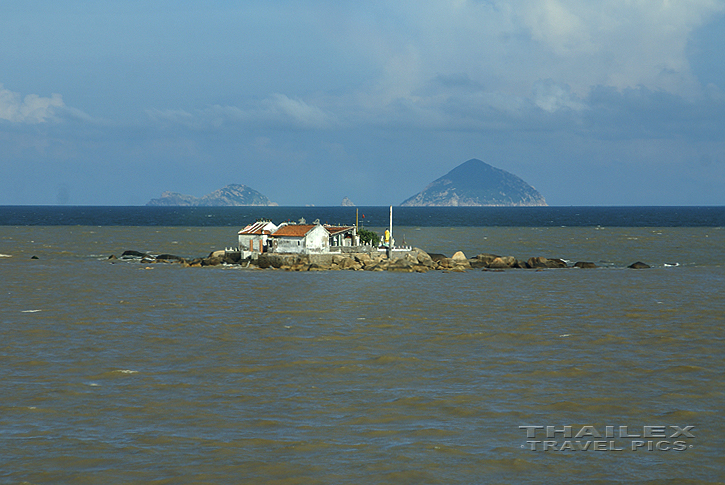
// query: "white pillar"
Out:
[390,242]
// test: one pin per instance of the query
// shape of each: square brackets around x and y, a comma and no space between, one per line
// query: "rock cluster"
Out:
[214,259]
[415,260]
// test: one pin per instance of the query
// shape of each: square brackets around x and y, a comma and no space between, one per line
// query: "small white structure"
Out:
[254,237]
[300,238]
[343,236]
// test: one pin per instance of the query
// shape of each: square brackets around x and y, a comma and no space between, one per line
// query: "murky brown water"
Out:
[114,373]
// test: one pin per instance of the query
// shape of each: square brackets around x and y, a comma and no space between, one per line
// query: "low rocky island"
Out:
[414,260]
[233,195]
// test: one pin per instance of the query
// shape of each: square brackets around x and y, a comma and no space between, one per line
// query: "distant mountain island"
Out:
[231,195]
[476,183]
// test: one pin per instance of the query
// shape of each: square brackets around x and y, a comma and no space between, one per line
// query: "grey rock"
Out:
[638,265]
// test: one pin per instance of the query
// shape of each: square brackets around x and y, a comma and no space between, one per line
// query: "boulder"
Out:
[477,263]
[233,257]
[460,261]
[638,265]
[350,263]
[449,263]
[584,264]
[411,258]
[363,258]
[498,263]
[402,265]
[437,257]
[211,261]
[541,262]
[485,258]
[510,260]
[424,258]
[377,259]
[537,262]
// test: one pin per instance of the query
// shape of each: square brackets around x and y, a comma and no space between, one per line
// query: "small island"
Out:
[412,260]
[476,183]
[322,247]
[232,195]
[472,183]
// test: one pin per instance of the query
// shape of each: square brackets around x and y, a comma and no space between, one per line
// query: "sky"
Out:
[593,102]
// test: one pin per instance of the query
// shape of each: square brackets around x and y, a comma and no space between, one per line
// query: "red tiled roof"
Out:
[294,230]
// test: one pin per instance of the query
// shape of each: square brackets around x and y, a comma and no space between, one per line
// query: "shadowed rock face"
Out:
[476,183]
[231,195]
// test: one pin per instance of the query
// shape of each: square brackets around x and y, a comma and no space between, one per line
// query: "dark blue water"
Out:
[373,216]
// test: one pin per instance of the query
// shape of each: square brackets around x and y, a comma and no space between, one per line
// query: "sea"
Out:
[123,372]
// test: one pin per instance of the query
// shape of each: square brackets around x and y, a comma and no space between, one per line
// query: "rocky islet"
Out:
[415,260]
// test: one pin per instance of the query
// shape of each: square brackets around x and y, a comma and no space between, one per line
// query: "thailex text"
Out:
[608,438]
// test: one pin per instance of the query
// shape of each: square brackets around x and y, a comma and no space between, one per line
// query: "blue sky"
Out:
[609,102]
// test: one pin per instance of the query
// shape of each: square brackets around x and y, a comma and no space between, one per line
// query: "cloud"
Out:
[473,64]
[654,114]
[551,96]
[32,109]
[455,103]
[276,111]
[510,45]
[280,108]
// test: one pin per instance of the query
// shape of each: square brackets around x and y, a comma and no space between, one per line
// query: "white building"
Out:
[300,238]
[255,237]
[343,236]
[263,236]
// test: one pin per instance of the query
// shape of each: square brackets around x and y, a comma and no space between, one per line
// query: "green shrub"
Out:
[368,237]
